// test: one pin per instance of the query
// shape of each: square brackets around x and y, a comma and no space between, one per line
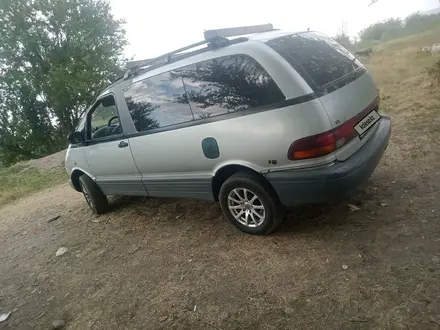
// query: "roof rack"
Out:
[237,31]
[213,39]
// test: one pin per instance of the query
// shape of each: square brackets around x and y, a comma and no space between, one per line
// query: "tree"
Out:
[386,29]
[342,36]
[54,57]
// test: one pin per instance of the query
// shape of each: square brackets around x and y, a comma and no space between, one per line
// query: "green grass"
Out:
[21,180]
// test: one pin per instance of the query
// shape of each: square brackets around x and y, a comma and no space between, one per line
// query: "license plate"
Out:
[366,123]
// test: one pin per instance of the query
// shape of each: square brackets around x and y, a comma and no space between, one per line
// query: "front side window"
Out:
[104,120]
[227,84]
[158,101]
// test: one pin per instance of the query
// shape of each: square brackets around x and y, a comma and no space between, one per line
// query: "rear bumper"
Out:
[334,182]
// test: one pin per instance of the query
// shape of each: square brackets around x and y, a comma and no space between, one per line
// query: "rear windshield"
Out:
[320,60]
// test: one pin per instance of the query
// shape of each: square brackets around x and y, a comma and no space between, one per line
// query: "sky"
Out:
[156,27]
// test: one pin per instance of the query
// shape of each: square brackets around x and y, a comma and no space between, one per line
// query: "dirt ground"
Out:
[177,264]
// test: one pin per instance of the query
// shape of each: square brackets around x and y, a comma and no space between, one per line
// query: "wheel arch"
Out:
[226,171]
[74,178]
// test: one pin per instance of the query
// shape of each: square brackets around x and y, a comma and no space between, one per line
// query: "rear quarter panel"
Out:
[345,103]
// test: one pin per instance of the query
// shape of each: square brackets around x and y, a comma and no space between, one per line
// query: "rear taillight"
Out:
[322,144]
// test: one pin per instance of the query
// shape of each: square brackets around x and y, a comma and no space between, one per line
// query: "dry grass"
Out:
[409,95]
[22,179]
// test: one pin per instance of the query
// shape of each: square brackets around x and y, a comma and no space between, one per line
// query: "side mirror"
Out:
[75,138]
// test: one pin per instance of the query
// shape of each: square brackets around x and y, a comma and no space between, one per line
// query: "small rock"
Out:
[101,253]
[91,324]
[53,218]
[42,277]
[224,316]
[308,300]
[90,290]
[4,317]
[353,208]
[195,308]
[95,220]
[58,324]
[61,251]
[393,182]
[50,298]
[179,216]
[289,310]
[344,267]
[383,204]
[163,318]
[135,249]
[200,268]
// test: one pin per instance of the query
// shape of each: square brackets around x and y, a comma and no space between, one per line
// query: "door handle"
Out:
[122,144]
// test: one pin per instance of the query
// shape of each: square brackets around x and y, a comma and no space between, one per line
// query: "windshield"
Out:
[320,60]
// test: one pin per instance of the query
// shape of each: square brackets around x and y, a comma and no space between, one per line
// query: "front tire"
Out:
[94,197]
[251,204]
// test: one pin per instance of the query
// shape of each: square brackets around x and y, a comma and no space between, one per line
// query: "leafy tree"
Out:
[387,29]
[342,36]
[393,27]
[54,57]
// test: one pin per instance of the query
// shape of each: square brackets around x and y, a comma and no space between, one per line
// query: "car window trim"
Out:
[273,106]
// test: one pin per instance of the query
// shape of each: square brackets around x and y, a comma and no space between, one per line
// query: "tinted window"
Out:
[158,101]
[104,120]
[227,84]
[319,59]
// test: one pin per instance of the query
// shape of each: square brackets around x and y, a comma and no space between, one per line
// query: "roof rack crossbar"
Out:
[238,31]
[214,39]
[141,63]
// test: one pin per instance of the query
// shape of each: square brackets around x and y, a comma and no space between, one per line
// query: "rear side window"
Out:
[157,101]
[320,60]
[228,84]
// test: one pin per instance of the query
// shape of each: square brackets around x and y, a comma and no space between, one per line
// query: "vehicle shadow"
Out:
[358,213]
[300,219]
[121,202]
[297,220]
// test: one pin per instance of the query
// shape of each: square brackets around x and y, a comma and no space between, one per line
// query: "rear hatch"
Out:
[345,88]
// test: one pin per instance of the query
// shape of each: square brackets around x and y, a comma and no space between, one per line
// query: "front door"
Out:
[108,153]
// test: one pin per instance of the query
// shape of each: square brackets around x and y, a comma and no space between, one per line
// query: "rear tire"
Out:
[251,204]
[94,197]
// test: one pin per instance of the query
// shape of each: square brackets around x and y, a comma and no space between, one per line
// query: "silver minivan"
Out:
[258,123]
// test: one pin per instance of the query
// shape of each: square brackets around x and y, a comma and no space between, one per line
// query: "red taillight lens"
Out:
[322,144]
[312,146]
